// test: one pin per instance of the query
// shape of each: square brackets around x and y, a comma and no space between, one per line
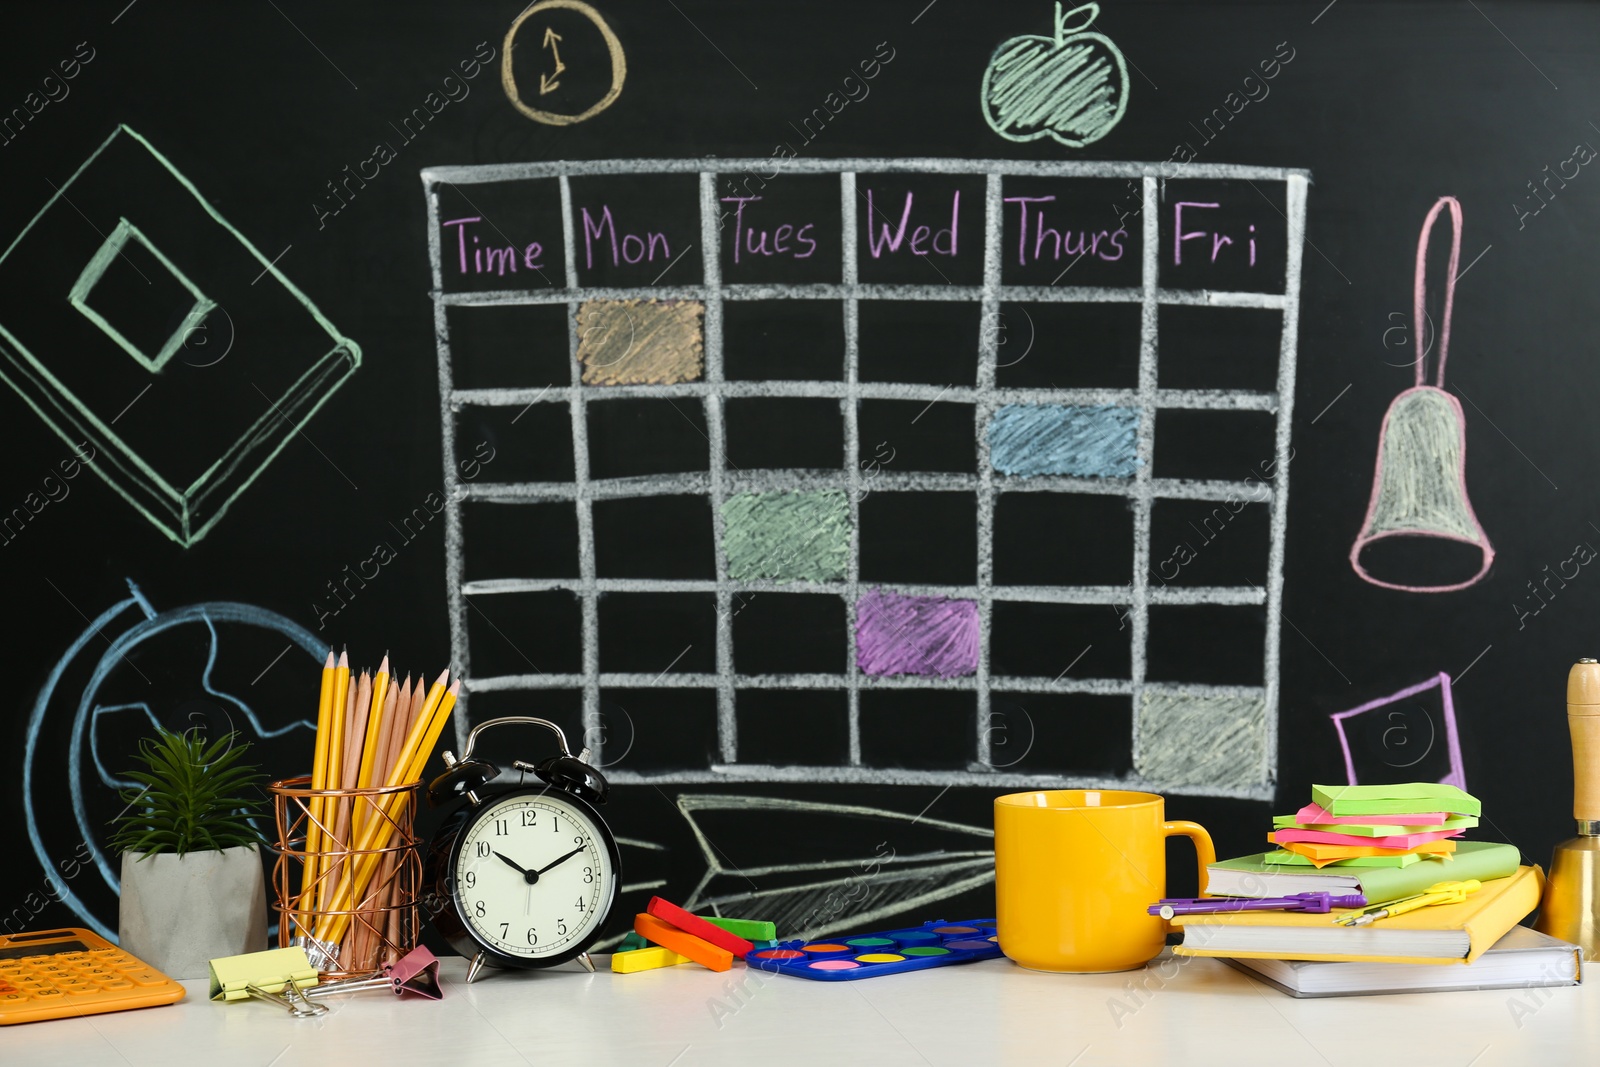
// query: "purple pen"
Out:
[1315,903]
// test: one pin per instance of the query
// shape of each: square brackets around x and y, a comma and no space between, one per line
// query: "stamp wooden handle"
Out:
[1583,719]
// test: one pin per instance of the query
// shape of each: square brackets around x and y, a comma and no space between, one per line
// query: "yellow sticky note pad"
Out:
[645,959]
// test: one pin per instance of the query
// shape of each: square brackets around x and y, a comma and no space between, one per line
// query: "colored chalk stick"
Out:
[751,930]
[645,959]
[685,944]
[669,912]
[631,942]
[773,943]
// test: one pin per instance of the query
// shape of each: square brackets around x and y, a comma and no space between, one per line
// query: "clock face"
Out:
[534,876]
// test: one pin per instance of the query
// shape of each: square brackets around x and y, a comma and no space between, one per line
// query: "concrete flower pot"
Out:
[179,912]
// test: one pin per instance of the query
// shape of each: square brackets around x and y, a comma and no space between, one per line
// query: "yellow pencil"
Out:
[335,743]
[319,780]
[424,734]
[372,742]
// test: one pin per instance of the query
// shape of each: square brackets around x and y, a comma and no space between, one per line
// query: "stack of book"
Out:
[1390,842]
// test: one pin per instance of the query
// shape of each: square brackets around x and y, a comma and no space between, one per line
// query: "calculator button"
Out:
[146,977]
[48,994]
[79,990]
[15,997]
[117,984]
[105,952]
[73,957]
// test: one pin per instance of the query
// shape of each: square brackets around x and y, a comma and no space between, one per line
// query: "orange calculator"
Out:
[58,974]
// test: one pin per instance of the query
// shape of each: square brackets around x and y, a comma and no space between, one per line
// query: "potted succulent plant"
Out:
[192,886]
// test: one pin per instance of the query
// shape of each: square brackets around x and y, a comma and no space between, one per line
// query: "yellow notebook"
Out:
[1444,933]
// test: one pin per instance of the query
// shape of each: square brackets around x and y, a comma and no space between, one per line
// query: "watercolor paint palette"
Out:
[845,959]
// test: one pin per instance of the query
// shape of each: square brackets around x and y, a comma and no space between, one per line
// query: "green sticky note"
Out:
[1374,828]
[1395,799]
[749,929]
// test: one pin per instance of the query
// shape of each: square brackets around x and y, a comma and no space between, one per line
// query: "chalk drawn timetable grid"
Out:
[1211,240]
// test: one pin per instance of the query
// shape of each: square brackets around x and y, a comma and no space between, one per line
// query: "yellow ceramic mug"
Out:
[1075,870]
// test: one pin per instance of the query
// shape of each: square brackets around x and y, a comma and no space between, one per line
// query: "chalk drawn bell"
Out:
[1419,486]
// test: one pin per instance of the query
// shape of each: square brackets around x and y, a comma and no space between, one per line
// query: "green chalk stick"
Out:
[631,942]
[749,929]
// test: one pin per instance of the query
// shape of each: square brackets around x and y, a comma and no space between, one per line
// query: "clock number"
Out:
[580,903]
[500,829]
[529,816]
[588,874]
[471,879]
[533,936]
[561,927]
[555,824]
[478,909]
[505,931]
[578,841]
[483,850]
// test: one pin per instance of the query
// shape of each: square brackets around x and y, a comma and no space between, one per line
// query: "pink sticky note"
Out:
[1315,813]
[1325,837]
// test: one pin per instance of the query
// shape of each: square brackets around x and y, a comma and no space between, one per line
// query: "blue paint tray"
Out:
[914,948]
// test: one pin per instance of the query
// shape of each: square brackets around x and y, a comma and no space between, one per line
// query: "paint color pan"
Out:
[834,965]
[879,957]
[914,937]
[779,954]
[926,950]
[967,946]
[949,931]
[825,948]
[871,942]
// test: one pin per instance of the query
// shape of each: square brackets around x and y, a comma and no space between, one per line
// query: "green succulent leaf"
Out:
[196,795]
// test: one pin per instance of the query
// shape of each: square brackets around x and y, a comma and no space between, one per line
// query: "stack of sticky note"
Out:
[665,935]
[1373,825]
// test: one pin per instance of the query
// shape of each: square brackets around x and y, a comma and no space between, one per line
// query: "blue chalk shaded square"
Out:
[1099,441]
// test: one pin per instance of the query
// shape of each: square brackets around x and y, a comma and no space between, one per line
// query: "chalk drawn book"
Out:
[135,318]
[1444,933]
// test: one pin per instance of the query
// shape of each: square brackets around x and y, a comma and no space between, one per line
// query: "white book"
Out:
[1522,959]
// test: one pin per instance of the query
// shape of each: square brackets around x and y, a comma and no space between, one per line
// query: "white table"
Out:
[982,1013]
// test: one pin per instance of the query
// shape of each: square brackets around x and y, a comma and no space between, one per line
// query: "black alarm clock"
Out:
[521,875]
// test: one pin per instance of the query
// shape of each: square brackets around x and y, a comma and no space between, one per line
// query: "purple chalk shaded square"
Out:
[927,635]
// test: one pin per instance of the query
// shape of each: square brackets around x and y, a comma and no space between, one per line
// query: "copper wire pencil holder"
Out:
[384,923]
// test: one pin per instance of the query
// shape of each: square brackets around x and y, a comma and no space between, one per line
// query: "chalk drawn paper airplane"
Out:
[1071,86]
[1419,486]
[1394,702]
[809,897]
[98,699]
[136,318]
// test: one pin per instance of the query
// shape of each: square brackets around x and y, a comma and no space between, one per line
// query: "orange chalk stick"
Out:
[684,944]
[669,912]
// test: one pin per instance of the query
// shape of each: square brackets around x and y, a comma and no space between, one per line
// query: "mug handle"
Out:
[1205,851]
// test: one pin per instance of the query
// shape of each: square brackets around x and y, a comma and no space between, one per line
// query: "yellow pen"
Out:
[1438,893]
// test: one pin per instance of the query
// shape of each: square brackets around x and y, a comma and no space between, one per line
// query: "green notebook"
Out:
[1395,799]
[1249,876]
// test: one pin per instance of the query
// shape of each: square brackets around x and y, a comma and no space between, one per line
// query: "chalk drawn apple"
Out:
[1072,87]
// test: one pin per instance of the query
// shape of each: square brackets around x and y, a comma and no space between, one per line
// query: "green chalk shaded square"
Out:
[785,537]
[1202,740]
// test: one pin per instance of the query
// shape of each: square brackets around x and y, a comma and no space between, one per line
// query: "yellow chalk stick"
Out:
[645,959]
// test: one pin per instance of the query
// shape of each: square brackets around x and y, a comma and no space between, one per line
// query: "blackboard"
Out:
[314,336]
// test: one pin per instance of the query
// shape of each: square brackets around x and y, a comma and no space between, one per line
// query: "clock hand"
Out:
[562,859]
[514,864]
